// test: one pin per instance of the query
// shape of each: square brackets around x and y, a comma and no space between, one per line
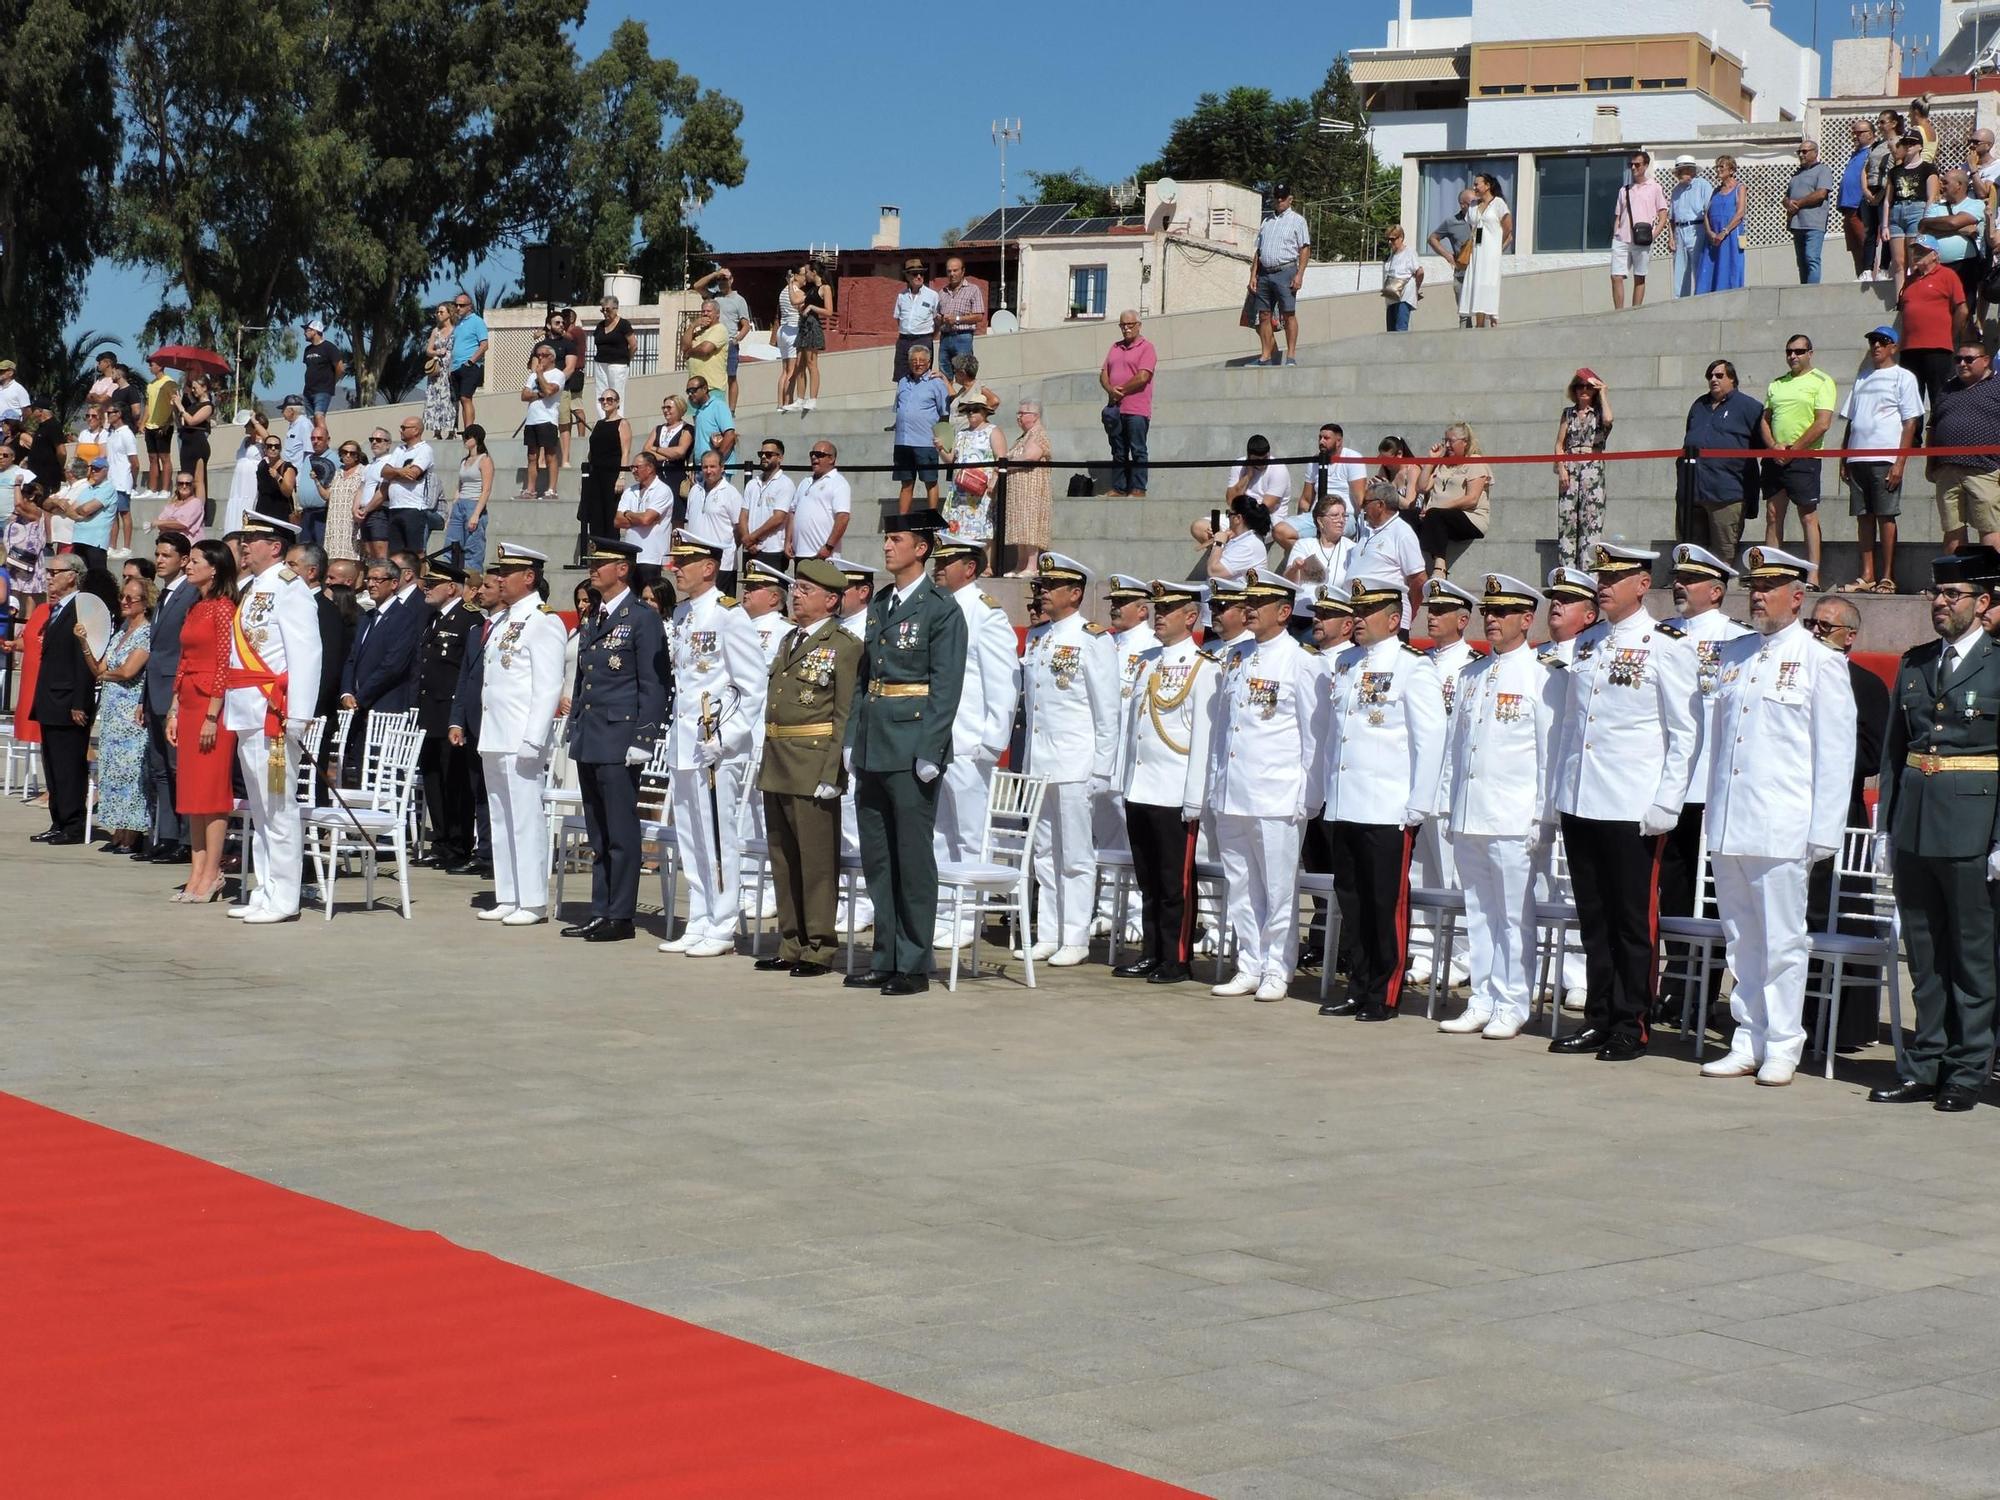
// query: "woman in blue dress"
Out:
[1721,267]
[121,722]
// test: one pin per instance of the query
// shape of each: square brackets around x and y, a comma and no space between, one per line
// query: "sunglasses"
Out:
[183,484]
[274,447]
[1968,359]
[819,455]
[1797,353]
[766,453]
[1823,627]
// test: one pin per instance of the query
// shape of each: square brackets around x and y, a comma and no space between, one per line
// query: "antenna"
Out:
[1125,194]
[1004,130]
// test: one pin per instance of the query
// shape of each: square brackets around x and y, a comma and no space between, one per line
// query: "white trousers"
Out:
[277,835]
[1499,877]
[714,894]
[1763,907]
[1260,863]
[1065,865]
[850,847]
[520,829]
[611,378]
[962,802]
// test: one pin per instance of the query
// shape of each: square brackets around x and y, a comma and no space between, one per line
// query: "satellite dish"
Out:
[1003,322]
[1168,189]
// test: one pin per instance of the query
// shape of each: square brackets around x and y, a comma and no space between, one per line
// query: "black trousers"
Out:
[1949,924]
[447,772]
[66,759]
[1680,864]
[1163,867]
[162,762]
[1614,871]
[611,822]
[1316,858]
[482,815]
[1374,906]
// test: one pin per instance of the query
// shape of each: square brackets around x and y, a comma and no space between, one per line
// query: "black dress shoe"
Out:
[43,837]
[65,838]
[610,930]
[1956,1101]
[1341,1008]
[771,965]
[805,969]
[1905,1092]
[1621,1049]
[1139,968]
[1374,1013]
[462,867]
[583,929]
[874,979]
[1587,1040]
[907,984]
[164,854]
[1169,974]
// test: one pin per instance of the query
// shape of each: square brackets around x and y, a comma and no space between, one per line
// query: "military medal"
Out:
[613,663]
[1064,663]
[1707,655]
[1262,693]
[1506,708]
[806,697]
[1971,697]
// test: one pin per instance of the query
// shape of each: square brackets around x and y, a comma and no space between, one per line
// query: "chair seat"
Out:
[1316,883]
[1437,898]
[658,832]
[973,872]
[1206,870]
[756,846]
[561,796]
[370,818]
[1851,945]
[1114,859]
[1555,911]
[1705,929]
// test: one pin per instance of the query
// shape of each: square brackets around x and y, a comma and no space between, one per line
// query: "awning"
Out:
[1443,67]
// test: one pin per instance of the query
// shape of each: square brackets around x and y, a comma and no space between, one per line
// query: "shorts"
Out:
[1968,499]
[467,379]
[565,405]
[160,440]
[1627,257]
[319,403]
[1904,219]
[121,503]
[375,526]
[735,356]
[541,437]
[1869,495]
[1274,291]
[1797,480]
[786,342]
[913,463]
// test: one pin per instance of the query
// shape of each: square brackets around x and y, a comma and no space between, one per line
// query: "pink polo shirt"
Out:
[1647,202]
[1123,363]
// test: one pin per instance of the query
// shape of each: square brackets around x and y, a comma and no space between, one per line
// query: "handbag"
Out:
[975,482]
[1464,256]
[1642,234]
[1392,290]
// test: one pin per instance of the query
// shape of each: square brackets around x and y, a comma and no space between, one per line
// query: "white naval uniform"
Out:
[1778,784]
[718,665]
[1705,635]
[1497,778]
[984,725]
[521,680]
[1265,779]
[1069,683]
[1621,751]
[1107,809]
[1164,757]
[278,613]
[1435,866]
[850,826]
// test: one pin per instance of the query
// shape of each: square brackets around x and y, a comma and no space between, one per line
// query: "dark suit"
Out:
[64,688]
[1941,823]
[913,670]
[446,768]
[380,673]
[616,704]
[336,637]
[1860,1013]
[162,664]
[465,708]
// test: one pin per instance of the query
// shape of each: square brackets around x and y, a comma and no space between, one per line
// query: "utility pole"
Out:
[1004,130]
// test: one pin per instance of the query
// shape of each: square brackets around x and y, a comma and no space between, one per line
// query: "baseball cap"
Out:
[1926,242]
[315,326]
[1881,331]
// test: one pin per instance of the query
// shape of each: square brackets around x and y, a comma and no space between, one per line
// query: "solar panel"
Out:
[1042,219]
[987,228]
[1091,226]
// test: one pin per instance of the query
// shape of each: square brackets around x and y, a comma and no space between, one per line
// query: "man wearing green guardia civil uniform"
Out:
[899,742]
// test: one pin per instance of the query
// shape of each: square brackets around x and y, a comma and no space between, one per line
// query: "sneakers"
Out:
[784,408]
[1867,276]
[809,404]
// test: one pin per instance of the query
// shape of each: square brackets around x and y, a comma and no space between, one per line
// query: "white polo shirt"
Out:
[814,505]
[712,515]
[410,494]
[764,498]
[652,541]
[1273,487]
[916,312]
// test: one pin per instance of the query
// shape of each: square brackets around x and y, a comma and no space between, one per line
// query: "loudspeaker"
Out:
[548,273]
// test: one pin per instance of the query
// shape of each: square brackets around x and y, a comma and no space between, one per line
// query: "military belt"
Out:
[899,690]
[1930,765]
[798,731]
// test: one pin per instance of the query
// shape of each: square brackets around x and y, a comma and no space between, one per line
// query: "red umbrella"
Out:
[187,357]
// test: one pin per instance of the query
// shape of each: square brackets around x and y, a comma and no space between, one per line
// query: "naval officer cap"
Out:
[1769,565]
[822,571]
[857,575]
[1442,593]
[1503,592]
[1616,560]
[1694,564]
[692,546]
[1053,570]
[604,549]
[758,574]
[1331,602]
[951,549]
[1372,591]
[1570,584]
[1265,587]
[512,557]
[1172,593]
[1123,588]
[256,525]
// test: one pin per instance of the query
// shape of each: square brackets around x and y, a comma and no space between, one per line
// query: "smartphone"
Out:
[1215,523]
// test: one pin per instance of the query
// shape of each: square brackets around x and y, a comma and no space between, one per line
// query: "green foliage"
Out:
[1092,198]
[64,381]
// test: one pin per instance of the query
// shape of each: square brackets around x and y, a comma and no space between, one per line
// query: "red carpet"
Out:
[171,1328]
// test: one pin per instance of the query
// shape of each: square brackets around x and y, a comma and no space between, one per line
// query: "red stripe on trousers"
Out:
[1184,939]
[1394,993]
[1653,938]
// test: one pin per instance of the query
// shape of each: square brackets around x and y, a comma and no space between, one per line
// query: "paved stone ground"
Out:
[1228,1244]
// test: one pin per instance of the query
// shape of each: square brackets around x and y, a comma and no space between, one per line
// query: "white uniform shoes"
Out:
[1731,1065]
[1041,952]
[1066,957]
[1575,998]
[1467,1022]
[1242,984]
[523,916]
[492,914]
[1271,989]
[1503,1031]
[263,916]
[680,944]
[709,948]
[1774,1074]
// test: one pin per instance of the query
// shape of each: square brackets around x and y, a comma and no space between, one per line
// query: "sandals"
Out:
[1885,585]
[1860,586]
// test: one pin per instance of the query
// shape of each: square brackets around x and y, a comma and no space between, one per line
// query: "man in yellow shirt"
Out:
[705,347]
[1798,409]
[161,392]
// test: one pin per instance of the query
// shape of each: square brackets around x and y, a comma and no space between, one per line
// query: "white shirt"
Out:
[764,498]
[1167,727]
[711,515]
[121,452]
[1333,566]
[1785,703]
[814,505]
[1497,767]
[1878,406]
[1404,264]
[992,689]
[548,389]
[1273,487]
[410,494]
[521,680]
[1954,653]
[1385,735]
[1280,239]
[1344,477]
[1265,749]
[1705,634]
[654,540]
[278,616]
[719,662]
[1626,725]
[14,398]
[1242,553]
[1069,682]
[916,312]
[1390,549]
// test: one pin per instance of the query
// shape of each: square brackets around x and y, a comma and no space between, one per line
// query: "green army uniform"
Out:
[914,671]
[1940,788]
[813,679]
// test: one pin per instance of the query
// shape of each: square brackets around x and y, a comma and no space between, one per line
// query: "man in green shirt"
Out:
[1798,409]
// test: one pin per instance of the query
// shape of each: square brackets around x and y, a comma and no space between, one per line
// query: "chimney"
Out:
[890,235]
[1604,127]
[1763,9]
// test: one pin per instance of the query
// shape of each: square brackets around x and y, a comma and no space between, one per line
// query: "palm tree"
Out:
[67,382]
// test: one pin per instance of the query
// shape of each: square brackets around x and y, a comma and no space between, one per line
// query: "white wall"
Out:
[1426,32]
[1531,121]
[1398,133]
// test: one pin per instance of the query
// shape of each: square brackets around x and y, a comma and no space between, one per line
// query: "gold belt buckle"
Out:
[1927,763]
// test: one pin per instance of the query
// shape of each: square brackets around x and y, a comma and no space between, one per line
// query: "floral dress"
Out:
[440,410]
[970,516]
[1580,496]
[121,740]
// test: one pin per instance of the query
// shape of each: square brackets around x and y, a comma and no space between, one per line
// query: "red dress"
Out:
[28,654]
[201,779]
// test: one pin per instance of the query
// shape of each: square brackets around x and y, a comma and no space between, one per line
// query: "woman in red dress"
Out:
[207,751]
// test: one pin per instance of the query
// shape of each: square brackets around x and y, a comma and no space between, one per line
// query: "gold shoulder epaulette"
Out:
[1671,632]
[1310,649]
[287,575]
[990,602]
[1093,628]
[727,601]
[1208,655]
[1414,651]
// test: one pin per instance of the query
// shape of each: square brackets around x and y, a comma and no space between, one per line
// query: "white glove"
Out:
[1413,817]
[847,759]
[927,771]
[707,752]
[1881,851]
[298,728]
[1659,818]
[636,756]
[1538,836]
[1993,863]
[1190,815]
[1817,852]
[1100,785]
[826,791]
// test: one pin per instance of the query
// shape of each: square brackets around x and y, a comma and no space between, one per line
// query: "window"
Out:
[1663,83]
[1086,291]
[1575,198]
[1607,85]
[1444,180]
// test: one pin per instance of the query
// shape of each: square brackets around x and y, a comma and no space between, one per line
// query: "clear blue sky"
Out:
[870,122]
